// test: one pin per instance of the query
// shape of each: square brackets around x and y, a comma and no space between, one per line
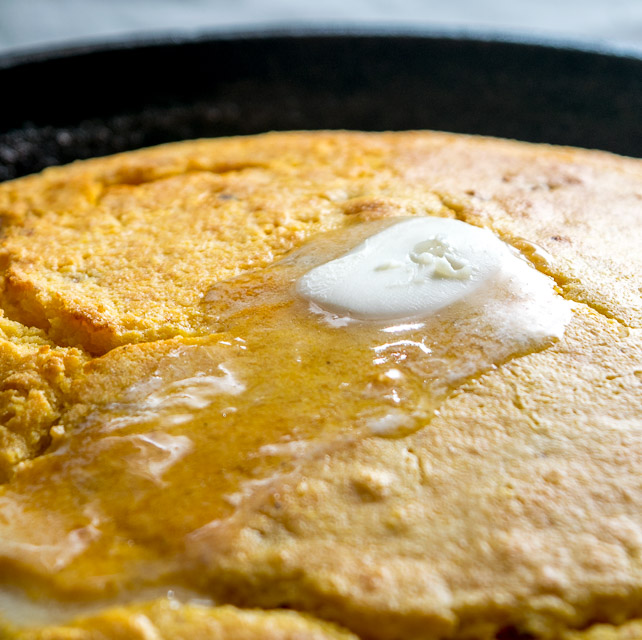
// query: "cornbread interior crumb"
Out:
[513,514]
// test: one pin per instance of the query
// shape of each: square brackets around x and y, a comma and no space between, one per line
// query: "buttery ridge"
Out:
[513,516]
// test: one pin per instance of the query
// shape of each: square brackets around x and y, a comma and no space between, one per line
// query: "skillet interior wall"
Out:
[105,99]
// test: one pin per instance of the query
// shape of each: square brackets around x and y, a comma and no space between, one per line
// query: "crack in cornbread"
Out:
[515,512]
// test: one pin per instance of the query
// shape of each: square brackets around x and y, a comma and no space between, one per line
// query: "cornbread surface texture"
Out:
[184,445]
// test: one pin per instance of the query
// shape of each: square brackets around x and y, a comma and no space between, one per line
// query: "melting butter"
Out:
[144,481]
[412,268]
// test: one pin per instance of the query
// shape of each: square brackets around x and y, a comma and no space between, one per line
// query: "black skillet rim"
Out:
[565,92]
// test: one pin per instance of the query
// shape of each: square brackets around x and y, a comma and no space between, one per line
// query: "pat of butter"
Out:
[412,268]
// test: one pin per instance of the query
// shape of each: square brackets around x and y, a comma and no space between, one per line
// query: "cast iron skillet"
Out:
[58,106]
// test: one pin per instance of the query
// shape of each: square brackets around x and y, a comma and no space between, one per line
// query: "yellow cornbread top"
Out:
[180,426]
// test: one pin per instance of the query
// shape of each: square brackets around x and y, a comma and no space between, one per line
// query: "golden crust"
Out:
[516,510]
[141,237]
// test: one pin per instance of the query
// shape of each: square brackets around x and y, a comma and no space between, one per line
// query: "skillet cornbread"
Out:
[187,449]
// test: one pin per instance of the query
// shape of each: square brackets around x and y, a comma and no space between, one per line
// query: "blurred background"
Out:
[28,24]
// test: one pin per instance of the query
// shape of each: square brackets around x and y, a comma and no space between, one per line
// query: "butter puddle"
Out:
[49,548]
[220,420]
[18,611]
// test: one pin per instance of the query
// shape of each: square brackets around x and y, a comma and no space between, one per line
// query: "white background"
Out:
[28,24]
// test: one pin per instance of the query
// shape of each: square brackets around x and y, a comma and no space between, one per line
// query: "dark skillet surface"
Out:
[65,105]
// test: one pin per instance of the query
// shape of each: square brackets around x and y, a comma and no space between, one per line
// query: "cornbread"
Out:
[189,449]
